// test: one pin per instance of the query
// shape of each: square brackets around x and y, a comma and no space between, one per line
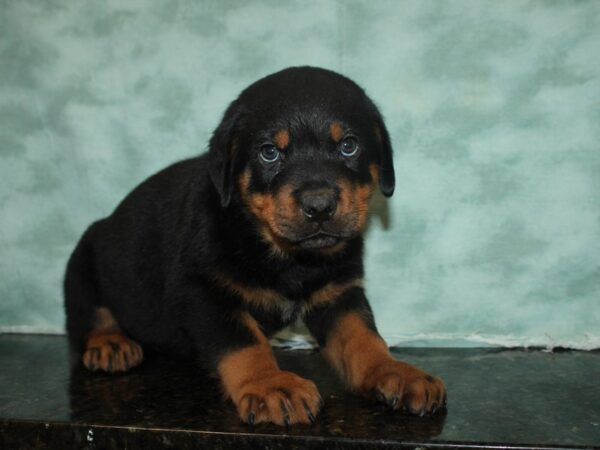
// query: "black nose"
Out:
[318,205]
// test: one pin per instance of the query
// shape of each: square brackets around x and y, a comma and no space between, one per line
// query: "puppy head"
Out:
[304,150]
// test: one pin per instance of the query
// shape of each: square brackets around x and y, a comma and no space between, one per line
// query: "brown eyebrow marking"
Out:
[282,138]
[336,131]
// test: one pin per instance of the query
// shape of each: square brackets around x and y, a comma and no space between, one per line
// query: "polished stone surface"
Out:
[496,398]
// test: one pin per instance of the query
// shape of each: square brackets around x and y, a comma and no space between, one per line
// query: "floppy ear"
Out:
[222,153]
[387,177]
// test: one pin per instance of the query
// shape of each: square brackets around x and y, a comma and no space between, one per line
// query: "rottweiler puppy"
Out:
[211,256]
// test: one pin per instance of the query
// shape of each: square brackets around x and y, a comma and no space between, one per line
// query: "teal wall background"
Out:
[493,235]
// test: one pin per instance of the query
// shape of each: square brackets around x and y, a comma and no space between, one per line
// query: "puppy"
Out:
[211,256]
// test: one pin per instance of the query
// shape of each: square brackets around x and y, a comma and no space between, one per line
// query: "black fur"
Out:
[152,262]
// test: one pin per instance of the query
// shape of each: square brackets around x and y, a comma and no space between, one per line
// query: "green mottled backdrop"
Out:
[493,235]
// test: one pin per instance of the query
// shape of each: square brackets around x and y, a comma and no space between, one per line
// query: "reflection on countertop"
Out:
[512,398]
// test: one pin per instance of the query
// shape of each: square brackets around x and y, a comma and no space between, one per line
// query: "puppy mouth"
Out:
[314,236]
[319,239]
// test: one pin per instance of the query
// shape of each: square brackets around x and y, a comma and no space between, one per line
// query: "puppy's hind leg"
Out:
[92,328]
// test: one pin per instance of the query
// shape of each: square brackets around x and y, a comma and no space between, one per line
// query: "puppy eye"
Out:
[269,153]
[349,146]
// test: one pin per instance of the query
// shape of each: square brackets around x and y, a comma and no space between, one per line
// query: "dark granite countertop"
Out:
[496,399]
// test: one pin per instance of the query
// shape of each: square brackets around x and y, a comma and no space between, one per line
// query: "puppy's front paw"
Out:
[402,386]
[279,397]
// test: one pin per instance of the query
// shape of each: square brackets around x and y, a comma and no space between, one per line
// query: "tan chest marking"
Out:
[270,300]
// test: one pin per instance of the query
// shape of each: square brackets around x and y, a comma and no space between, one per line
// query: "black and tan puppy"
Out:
[212,255]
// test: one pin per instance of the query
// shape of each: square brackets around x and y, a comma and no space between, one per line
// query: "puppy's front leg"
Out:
[350,342]
[261,391]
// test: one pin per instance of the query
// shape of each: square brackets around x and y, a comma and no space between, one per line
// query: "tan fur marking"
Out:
[336,131]
[104,321]
[253,381]
[260,297]
[374,171]
[244,182]
[282,139]
[354,350]
[345,205]
[262,392]
[331,291]
[286,203]
[364,361]
[270,210]
[269,299]
[362,196]
[354,198]
[279,247]
[353,202]
[242,366]
[254,327]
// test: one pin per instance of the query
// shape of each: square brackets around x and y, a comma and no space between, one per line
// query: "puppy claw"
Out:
[285,412]
[392,402]
[282,397]
[401,386]
[309,413]
[111,353]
